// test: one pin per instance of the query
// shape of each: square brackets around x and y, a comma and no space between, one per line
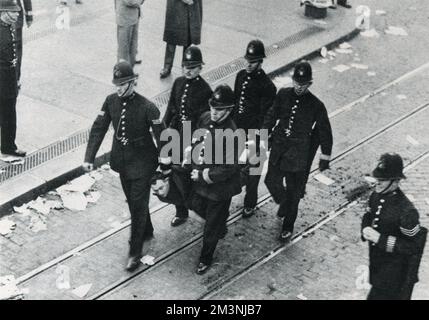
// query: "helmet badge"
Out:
[217,96]
[188,56]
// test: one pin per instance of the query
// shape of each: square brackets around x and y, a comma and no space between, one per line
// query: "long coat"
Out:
[394,261]
[8,61]
[134,154]
[183,22]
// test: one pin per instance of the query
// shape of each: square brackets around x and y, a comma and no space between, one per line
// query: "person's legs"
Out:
[170,50]
[18,52]
[294,181]
[124,43]
[134,32]
[274,182]
[8,124]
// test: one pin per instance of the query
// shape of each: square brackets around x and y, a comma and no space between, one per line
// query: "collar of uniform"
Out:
[197,78]
[129,98]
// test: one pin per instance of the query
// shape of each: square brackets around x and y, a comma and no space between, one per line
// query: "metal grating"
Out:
[161,100]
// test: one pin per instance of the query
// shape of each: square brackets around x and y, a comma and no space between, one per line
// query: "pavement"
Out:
[377,105]
[67,73]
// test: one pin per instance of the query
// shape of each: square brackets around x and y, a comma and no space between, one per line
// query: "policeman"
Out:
[396,239]
[134,155]
[9,11]
[215,183]
[188,100]
[298,112]
[254,95]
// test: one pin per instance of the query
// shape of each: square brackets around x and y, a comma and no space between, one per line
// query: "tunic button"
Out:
[382,200]
[123,110]
[123,133]
[124,103]
[187,85]
[379,207]
[297,101]
[123,122]
[375,225]
[376,219]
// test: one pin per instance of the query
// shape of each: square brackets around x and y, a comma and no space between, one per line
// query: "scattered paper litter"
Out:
[332,53]
[81,184]
[74,200]
[401,96]
[341,68]
[6,226]
[413,141]
[371,33]
[380,12]
[63,280]
[148,260]
[37,223]
[96,175]
[320,21]
[105,167]
[22,209]
[301,297]
[93,196]
[323,60]
[345,45]
[324,52]
[13,160]
[359,66]
[9,289]
[55,204]
[83,290]
[371,74]
[344,51]
[324,179]
[40,205]
[396,31]
[53,193]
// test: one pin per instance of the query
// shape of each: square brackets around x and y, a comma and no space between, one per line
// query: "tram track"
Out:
[236,215]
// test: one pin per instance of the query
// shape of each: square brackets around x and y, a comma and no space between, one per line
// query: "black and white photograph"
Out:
[243,152]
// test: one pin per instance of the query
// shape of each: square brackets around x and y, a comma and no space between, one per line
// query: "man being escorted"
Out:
[254,95]
[293,140]
[9,12]
[134,155]
[188,101]
[215,183]
[396,239]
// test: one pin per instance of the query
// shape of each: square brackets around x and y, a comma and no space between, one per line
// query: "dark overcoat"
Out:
[183,22]
[8,62]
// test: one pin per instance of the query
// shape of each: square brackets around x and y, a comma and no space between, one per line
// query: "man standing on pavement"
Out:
[188,101]
[396,239]
[134,155]
[254,95]
[127,18]
[215,183]
[298,112]
[9,12]
[183,22]
[26,15]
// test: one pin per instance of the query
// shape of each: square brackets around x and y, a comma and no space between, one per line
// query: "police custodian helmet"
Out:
[255,51]
[222,98]
[302,73]
[9,5]
[192,57]
[123,73]
[389,167]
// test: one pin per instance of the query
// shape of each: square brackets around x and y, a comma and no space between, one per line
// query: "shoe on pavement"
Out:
[148,236]
[133,263]
[281,214]
[285,236]
[177,221]
[165,72]
[139,61]
[202,268]
[248,212]
[15,153]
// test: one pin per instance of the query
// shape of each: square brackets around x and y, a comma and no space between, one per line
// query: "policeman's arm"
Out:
[169,112]
[155,122]
[366,219]
[408,242]
[97,133]
[205,105]
[268,95]
[272,115]
[324,130]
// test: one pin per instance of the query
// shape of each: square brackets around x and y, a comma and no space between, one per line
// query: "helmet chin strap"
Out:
[388,187]
[223,117]
[129,90]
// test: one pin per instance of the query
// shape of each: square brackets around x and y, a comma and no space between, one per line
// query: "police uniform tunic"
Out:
[395,259]
[217,183]
[301,120]
[8,86]
[134,155]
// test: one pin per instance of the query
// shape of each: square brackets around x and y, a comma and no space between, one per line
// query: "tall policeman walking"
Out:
[215,183]
[392,228]
[188,101]
[303,123]
[134,155]
[254,95]
[9,11]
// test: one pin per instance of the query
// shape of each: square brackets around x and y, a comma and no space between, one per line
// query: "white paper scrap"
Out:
[359,66]
[93,196]
[82,291]
[320,22]
[396,31]
[324,179]
[9,289]
[6,226]
[323,61]
[371,33]
[74,200]
[105,167]
[341,68]
[301,297]
[345,45]
[81,184]
[22,210]
[148,260]
[380,12]
[413,141]
[40,205]
[344,51]
[96,175]
[324,52]
[63,279]
[332,53]
[37,224]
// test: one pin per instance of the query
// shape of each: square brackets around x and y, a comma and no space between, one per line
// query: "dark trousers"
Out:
[18,52]
[8,124]
[216,214]
[181,211]
[288,197]
[383,294]
[170,50]
[137,192]
[251,197]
